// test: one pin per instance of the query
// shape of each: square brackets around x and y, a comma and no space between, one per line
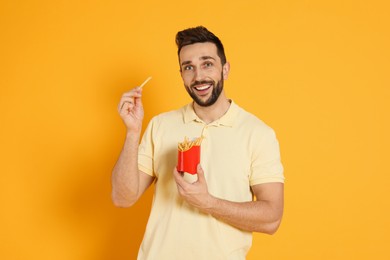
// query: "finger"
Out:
[177,175]
[136,90]
[180,189]
[131,96]
[179,179]
[128,98]
[125,103]
[126,107]
[138,102]
[200,173]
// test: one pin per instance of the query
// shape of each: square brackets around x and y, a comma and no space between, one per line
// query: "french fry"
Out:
[146,81]
[187,144]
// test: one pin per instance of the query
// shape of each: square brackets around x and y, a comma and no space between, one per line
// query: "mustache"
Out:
[202,82]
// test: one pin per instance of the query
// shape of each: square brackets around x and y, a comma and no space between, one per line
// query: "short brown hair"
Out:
[197,35]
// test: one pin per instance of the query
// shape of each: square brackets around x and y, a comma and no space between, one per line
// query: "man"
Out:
[213,217]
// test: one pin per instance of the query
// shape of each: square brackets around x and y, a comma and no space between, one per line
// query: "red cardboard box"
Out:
[188,161]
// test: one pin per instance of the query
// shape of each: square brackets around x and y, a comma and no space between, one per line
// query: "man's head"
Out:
[203,64]
[199,34]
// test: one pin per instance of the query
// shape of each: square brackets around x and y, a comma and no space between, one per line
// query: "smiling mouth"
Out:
[203,87]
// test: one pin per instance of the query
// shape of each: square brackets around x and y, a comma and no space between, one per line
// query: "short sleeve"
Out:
[146,150]
[266,166]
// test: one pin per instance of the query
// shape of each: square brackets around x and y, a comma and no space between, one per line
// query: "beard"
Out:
[217,90]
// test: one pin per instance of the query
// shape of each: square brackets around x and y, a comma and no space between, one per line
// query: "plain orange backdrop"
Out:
[315,71]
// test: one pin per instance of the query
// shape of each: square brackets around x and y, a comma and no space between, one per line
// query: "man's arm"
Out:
[263,215]
[128,183]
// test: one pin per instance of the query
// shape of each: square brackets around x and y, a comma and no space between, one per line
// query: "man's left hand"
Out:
[196,193]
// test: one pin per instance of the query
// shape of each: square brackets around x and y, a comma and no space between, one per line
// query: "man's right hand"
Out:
[131,110]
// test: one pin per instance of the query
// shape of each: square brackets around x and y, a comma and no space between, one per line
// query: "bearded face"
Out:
[202,72]
[198,91]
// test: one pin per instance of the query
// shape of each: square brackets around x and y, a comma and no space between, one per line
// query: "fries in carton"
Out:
[189,155]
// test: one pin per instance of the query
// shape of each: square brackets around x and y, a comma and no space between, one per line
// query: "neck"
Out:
[211,113]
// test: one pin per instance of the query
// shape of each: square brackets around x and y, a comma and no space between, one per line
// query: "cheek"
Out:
[183,76]
[186,81]
[187,78]
[217,76]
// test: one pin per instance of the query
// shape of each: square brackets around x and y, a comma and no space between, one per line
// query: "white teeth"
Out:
[203,87]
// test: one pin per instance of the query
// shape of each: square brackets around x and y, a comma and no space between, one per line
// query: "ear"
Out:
[225,70]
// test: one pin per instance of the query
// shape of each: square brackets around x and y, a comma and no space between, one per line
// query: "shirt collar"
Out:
[227,119]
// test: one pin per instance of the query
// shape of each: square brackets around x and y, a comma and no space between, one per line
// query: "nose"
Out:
[198,75]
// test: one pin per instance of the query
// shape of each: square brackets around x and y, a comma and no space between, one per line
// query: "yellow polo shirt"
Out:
[238,151]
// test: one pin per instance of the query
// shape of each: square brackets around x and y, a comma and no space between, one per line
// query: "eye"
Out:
[208,64]
[188,67]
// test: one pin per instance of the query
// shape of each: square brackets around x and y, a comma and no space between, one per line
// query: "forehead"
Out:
[196,51]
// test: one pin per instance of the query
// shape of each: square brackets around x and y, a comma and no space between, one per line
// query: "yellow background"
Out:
[316,71]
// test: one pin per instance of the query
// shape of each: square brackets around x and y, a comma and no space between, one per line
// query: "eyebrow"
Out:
[201,58]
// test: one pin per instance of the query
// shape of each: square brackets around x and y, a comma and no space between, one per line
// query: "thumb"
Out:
[138,102]
[200,173]
[138,105]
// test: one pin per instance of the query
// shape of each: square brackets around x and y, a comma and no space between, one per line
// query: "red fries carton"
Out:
[188,160]
[188,156]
